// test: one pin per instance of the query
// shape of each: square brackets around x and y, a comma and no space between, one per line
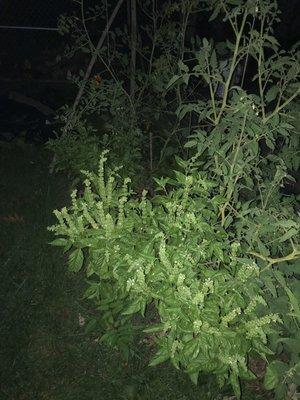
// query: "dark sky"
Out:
[45,13]
[16,45]
[288,31]
[32,12]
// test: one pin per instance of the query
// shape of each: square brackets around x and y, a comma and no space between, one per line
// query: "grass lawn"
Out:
[45,353]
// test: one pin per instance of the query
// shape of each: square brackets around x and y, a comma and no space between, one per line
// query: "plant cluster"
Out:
[175,256]
[142,111]
[216,252]
[80,149]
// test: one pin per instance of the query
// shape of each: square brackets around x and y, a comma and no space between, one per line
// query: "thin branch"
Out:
[283,105]
[232,67]
[133,45]
[84,25]
[260,83]
[271,261]
[69,123]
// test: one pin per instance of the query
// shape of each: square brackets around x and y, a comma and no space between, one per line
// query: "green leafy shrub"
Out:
[215,252]
[283,372]
[248,144]
[78,150]
[139,118]
[175,256]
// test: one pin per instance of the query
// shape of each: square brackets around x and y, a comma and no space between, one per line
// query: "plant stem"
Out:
[271,261]
[231,189]
[232,67]
[212,94]
[69,123]
[133,44]
[283,105]
[260,61]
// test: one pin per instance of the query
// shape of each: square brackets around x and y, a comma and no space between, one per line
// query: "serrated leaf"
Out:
[262,349]
[263,249]
[214,14]
[270,285]
[155,328]
[248,375]
[185,78]
[180,177]
[253,146]
[59,242]
[67,247]
[235,383]
[292,268]
[271,39]
[194,377]
[274,373]
[293,300]
[272,93]
[292,232]
[230,45]
[132,308]
[205,42]
[172,81]
[213,59]
[271,378]
[279,276]
[287,223]
[160,357]
[191,143]
[75,261]
[293,345]
[201,60]
[183,67]
[218,251]
[91,325]
[191,349]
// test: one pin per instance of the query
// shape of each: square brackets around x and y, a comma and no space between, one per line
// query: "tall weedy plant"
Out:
[214,253]
[126,85]
[249,143]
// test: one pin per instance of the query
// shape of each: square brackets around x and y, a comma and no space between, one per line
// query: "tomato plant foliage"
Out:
[214,253]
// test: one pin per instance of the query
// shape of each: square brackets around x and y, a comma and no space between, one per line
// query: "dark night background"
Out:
[27,56]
